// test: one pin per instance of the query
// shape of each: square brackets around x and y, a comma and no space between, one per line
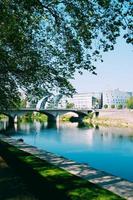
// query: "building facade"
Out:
[82,101]
[110,99]
[115,98]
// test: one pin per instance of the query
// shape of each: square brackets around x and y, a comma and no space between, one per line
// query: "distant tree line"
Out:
[129,104]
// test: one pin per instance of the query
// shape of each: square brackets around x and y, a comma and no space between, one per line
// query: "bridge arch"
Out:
[57,100]
[72,113]
[42,102]
[75,116]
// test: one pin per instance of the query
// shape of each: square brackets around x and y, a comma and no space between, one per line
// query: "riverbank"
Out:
[116,118]
[56,177]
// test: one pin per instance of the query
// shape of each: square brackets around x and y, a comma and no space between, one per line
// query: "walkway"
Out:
[112,183]
[12,186]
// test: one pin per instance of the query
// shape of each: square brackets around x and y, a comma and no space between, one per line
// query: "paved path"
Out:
[12,187]
[112,183]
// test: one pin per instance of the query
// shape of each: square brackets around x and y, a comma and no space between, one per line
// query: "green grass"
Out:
[50,181]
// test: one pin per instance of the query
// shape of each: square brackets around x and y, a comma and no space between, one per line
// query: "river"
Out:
[105,148]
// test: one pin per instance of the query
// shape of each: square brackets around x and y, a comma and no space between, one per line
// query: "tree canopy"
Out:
[129,103]
[43,42]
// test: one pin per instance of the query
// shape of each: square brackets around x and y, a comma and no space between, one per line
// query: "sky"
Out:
[115,72]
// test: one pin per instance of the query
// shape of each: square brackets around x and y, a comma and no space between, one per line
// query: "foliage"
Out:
[119,106]
[3,116]
[39,117]
[43,43]
[105,106]
[65,118]
[70,105]
[23,103]
[129,103]
[89,116]
[112,106]
[33,116]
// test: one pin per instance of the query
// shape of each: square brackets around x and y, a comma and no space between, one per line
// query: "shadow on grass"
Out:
[12,185]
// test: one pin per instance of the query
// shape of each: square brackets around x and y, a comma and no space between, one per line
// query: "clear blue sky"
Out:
[115,72]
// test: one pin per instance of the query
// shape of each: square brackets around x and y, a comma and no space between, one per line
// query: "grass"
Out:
[12,185]
[50,181]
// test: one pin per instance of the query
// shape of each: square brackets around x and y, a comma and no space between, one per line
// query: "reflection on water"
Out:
[106,148]
[3,124]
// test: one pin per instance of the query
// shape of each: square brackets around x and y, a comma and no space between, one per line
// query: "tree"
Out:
[23,103]
[70,105]
[119,106]
[112,106]
[43,43]
[105,106]
[129,103]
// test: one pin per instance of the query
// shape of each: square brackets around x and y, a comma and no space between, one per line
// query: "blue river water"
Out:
[105,148]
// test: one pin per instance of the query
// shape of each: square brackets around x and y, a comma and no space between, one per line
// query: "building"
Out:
[114,98]
[82,101]
[110,98]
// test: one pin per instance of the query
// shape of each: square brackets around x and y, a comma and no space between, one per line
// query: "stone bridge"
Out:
[52,114]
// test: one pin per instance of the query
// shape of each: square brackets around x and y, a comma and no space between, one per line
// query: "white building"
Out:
[116,98]
[82,101]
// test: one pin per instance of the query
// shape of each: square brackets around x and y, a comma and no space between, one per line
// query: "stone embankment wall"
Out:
[115,117]
[126,115]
